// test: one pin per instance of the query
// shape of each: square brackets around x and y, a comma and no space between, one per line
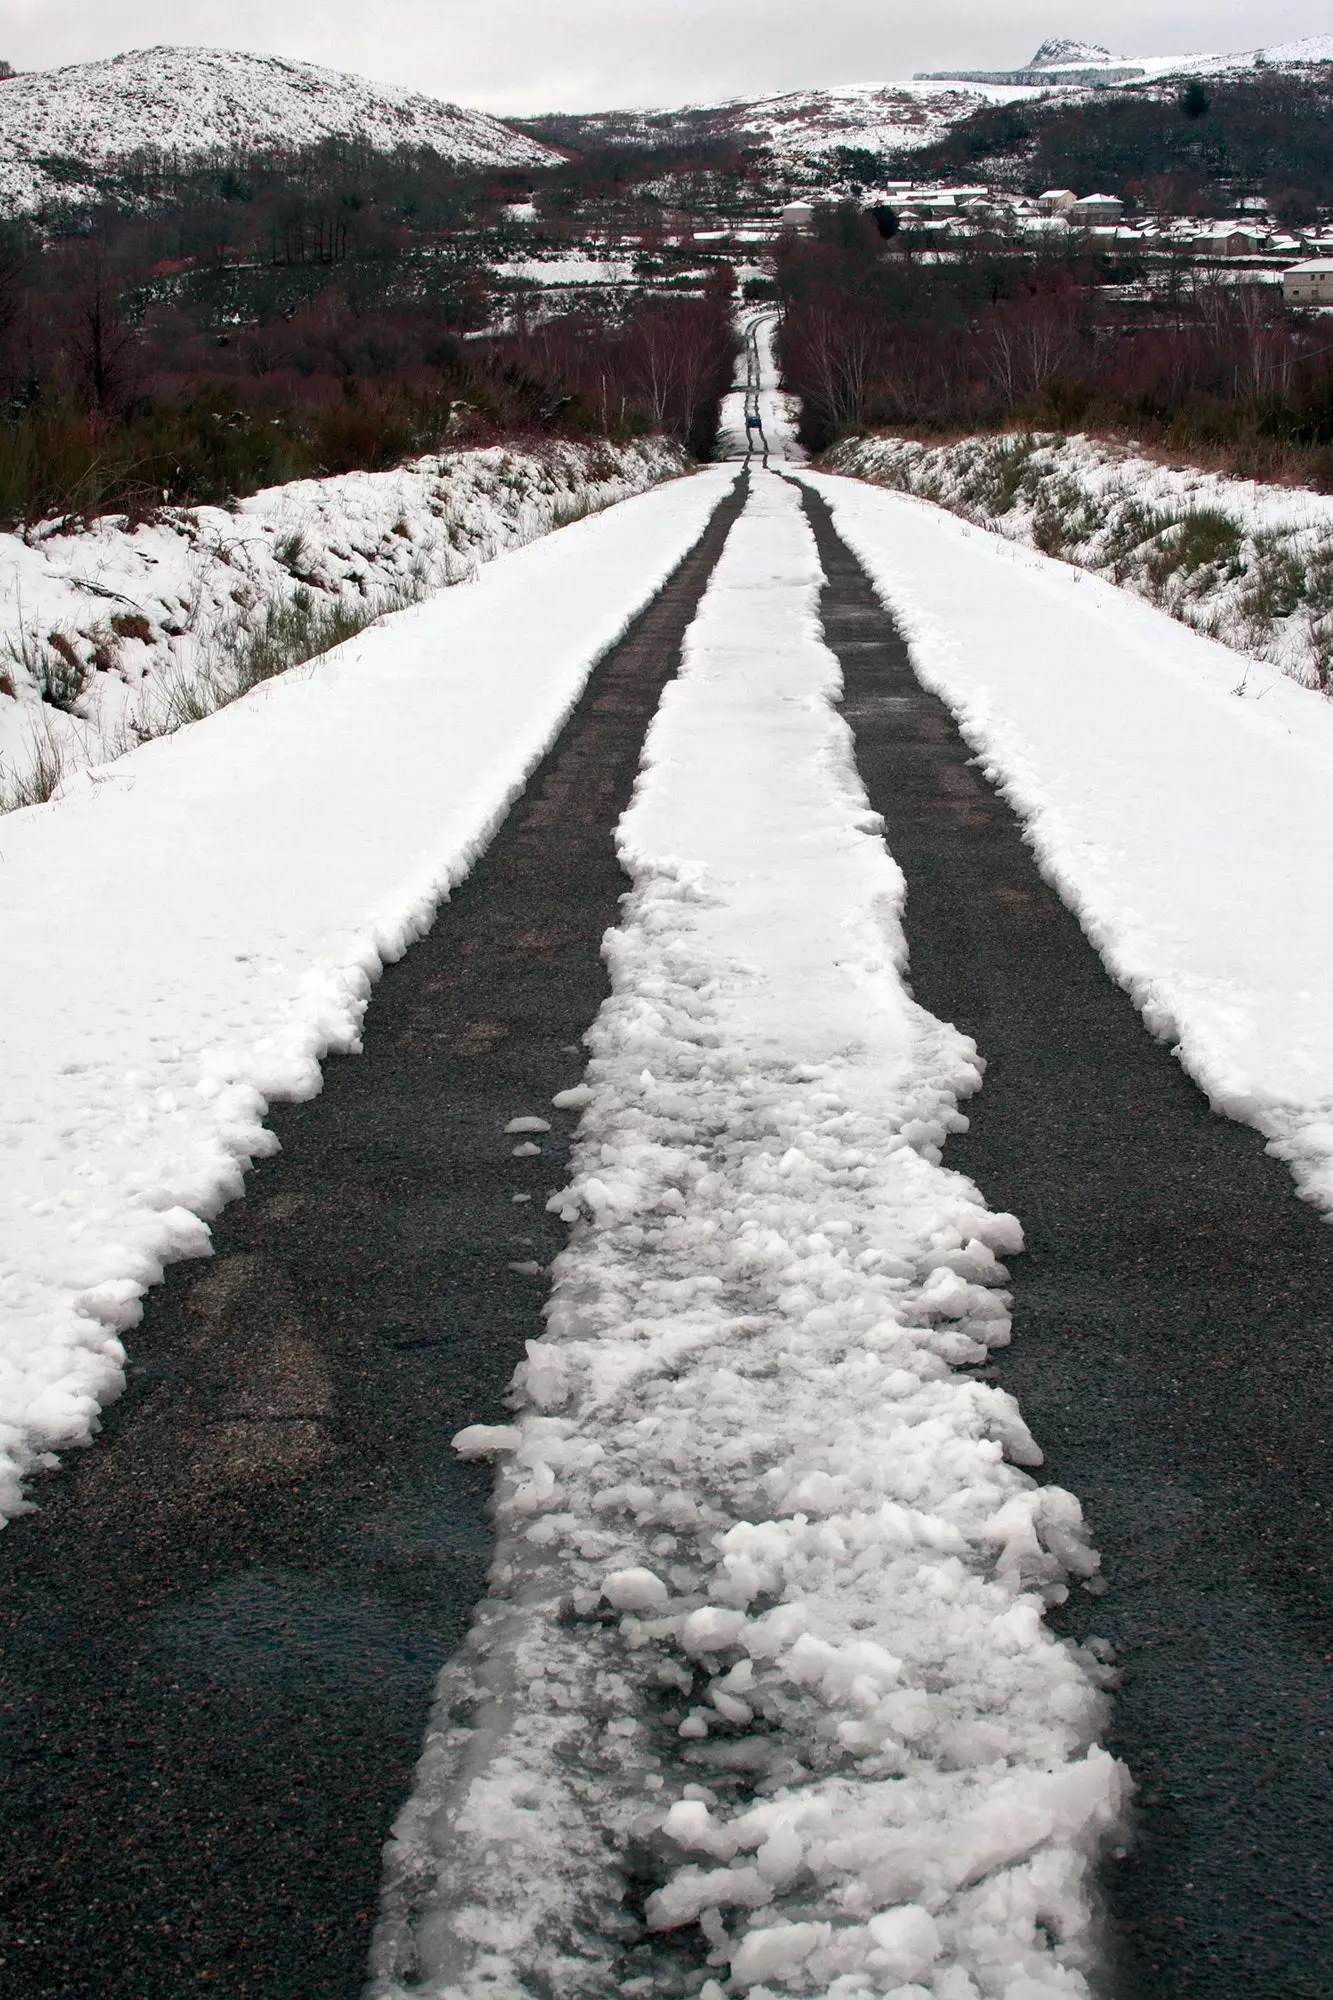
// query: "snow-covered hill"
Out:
[881,116]
[202,102]
[900,116]
[1077,64]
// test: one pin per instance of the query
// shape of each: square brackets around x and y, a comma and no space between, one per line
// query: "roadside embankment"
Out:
[1248,564]
[118,633]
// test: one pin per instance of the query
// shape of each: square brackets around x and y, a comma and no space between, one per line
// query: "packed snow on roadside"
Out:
[764,1641]
[141,616]
[1244,562]
[190,929]
[1181,804]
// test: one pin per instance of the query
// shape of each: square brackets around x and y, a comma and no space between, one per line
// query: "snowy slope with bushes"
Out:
[197,103]
[1245,563]
[883,117]
[112,635]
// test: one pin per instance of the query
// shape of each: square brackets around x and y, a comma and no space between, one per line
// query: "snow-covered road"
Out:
[764,1642]
[765,1624]
[1179,798]
[764,1647]
[190,929]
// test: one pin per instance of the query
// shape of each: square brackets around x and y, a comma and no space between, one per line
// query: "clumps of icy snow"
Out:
[197,104]
[1242,562]
[154,615]
[761,1699]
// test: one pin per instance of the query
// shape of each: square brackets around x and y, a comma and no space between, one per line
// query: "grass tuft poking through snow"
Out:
[761,1700]
[1247,564]
[205,604]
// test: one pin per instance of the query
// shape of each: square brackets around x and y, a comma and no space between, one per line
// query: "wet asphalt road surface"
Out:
[1172,1352]
[219,1635]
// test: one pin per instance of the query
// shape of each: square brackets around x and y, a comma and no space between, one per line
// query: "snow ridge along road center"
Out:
[194,927]
[762,1690]
[1178,797]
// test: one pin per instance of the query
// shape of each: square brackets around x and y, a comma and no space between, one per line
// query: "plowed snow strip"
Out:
[762,1695]
[190,931]
[1180,800]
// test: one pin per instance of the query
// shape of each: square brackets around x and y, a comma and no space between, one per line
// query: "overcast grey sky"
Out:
[576,55]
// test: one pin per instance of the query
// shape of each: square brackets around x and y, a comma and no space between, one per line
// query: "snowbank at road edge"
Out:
[1242,562]
[190,930]
[764,1638]
[1184,817]
[180,588]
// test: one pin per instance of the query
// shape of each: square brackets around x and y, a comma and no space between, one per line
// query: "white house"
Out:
[1099,208]
[1309,284]
[1057,201]
[797,215]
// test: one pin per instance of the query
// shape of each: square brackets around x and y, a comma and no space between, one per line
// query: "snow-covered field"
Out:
[190,929]
[765,1621]
[569,268]
[1246,563]
[133,630]
[1181,804]
[194,103]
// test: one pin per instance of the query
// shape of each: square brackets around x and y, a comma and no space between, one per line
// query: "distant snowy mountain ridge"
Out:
[907,115]
[198,103]
[1066,63]
[1054,54]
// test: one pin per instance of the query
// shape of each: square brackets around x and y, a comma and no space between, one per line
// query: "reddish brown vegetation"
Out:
[1212,371]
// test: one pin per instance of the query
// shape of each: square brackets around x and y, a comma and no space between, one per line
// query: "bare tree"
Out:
[103,342]
[1025,348]
[839,350]
[1268,364]
[675,355]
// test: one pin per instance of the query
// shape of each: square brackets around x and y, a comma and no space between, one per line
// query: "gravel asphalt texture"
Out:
[219,1634]
[1172,1349]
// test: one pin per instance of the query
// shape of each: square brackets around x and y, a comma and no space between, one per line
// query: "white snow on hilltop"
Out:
[1073,64]
[765,1626]
[877,116]
[902,115]
[200,103]
[881,117]
[189,930]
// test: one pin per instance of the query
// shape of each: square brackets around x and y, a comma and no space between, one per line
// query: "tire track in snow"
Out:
[761,1693]
[1175,1304]
[220,1631]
